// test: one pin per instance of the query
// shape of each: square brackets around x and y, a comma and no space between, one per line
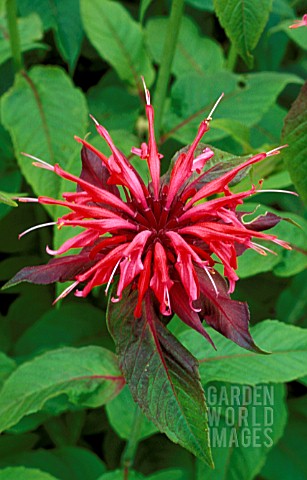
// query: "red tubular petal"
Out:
[108,225]
[79,241]
[124,172]
[87,211]
[132,264]
[200,161]
[153,155]
[97,194]
[218,185]
[160,281]
[143,283]
[217,231]
[104,265]
[181,246]
[107,242]
[231,201]
[227,254]
[102,157]
[184,266]
[183,167]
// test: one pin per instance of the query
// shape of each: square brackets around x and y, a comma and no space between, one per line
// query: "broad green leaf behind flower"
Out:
[43,111]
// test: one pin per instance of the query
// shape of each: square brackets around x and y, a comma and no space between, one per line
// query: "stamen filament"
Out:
[48,224]
[277,191]
[27,199]
[276,150]
[215,106]
[262,247]
[94,120]
[167,300]
[147,94]
[211,280]
[112,276]
[38,162]
[65,292]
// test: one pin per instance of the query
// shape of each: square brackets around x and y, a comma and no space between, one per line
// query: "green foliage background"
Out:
[63,411]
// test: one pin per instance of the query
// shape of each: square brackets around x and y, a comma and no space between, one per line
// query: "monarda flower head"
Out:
[157,238]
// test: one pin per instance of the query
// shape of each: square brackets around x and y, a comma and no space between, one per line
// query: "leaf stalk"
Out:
[11,12]
[232,58]
[177,7]
[133,441]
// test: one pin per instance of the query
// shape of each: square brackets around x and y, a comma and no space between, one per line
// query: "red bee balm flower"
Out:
[160,239]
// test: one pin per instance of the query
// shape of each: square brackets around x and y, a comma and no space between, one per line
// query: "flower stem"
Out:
[232,58]
[133,441]
[177,7]
[11,12]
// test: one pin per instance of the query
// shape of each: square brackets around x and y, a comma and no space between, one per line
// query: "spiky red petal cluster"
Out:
[160,239]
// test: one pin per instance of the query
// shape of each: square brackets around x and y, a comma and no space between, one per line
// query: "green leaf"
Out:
[113,106]
[243,434]
[64,18]
[88,376]
[161,374]
[43,111]
[237,130]
[72,324]
[21,473]
[173,474]
[29,423]
[194,53]
[282,8]
[247,98]
[268,131]
[6,199]
[297,35]
[67,463]
[17,220]
[119,475]
[42,7]
[121,415]
[289,454]
[118,39]
[243,21]
[7,151]
[278,180]
[144,4]
[230,363]
[206,5]
[303,380]
[286,262]
[68,31]
[7,365]
[292,303]
[294,134]
[251,263]
[13,444]
[30,31]
[10,176]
